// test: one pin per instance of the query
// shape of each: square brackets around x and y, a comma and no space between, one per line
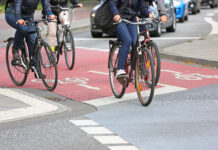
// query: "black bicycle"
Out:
[139,69]
[65,40]
[45,68]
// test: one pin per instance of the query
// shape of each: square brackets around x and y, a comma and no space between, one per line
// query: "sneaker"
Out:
[120,73]
[39,76]
[16,56]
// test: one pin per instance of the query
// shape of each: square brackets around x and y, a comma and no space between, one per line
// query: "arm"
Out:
[17,9]
[46,7]
[74,2]
[143,8]
[113,7]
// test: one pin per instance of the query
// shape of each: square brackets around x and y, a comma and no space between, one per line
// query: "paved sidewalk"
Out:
[203,51]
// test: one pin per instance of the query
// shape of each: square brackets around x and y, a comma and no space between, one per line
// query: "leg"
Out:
[123,35]
[133,31]
[51,35]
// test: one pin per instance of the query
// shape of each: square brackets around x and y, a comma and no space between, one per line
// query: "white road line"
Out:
[160,38]
[113,139]
[213,24]
[84,122]
[122,148]
[96,130]
[94,49]
[98,72]
[36,107]
[129,96]
[210,15]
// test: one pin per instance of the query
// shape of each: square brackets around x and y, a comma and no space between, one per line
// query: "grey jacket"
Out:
[161,7]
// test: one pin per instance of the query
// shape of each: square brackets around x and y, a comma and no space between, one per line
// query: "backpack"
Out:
[104,17]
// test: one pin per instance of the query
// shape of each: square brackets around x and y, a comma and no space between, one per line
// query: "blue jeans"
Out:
[127,34]
[22,32]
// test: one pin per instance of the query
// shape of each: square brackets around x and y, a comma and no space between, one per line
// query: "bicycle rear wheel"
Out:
[47,66]
[69,49]
[153,48]
[145,77]
[118,89]
[18,72]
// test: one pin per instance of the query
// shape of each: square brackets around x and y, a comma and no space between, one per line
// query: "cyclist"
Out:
[52,26]
[16,14]
[127,33]
[162,10]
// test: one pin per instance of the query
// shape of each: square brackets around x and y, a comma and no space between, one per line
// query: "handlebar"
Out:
[140,22]
[65,8]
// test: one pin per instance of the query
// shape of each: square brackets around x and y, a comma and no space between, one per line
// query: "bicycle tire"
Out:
[117,88]
[145,77]
[69,52]
[20,78]
[47,66]
[152,46]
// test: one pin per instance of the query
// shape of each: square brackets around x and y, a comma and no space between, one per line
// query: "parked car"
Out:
[181,7]
[194,6]
[95,31]
[155,28]
[211,3]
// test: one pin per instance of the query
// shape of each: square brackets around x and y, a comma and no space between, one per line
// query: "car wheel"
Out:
[96,34]
[186,18]
[172,28]
[182,19]
[158,32]
[195,11]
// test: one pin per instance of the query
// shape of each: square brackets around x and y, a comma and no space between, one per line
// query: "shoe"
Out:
[16,56]
[120,73]
[39,76]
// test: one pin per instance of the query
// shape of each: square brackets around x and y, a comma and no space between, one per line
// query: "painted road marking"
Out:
[122,148]
[36,106]
[103,135]
[129,96]
[160,38]
[96,130]
[214,25]
[113,139]
[84,122]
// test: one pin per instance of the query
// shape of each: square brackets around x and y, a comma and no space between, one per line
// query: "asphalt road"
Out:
[186,119]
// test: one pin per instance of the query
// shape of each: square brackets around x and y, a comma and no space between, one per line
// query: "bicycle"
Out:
[153,48]
[141,63]
[45,61]
[66,43]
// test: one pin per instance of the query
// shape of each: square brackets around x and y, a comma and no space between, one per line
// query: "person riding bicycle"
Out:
[17,12]
[162,10]
[52,26]
[127,33]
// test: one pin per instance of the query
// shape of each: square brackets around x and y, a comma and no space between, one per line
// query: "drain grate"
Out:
[56,99]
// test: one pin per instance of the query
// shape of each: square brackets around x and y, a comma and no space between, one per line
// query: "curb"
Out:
[203,62]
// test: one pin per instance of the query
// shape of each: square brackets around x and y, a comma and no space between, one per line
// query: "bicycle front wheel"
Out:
[145,77]
[47,66]
[153,48]
[118,88]
[69,49]
[18,72]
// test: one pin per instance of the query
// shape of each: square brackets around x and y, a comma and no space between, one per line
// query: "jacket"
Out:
[28,7]
[132,9]
[63,2]
[161,7]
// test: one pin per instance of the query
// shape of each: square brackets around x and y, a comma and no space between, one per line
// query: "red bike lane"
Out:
[89,79]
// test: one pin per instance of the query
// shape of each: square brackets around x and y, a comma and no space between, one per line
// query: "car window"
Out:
[167,1]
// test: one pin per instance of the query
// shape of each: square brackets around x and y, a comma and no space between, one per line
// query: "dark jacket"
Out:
[132,9]
[28,7]
[63,2]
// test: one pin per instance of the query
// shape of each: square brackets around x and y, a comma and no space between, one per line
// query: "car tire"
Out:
[182,19]
[158,32]
[172,28]
[96,34]
[186,18]
[195,11]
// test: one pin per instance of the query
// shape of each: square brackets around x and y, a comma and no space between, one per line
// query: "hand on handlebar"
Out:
[164,18]
[80,5]
[117,18]
[21,22]
[52,17]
